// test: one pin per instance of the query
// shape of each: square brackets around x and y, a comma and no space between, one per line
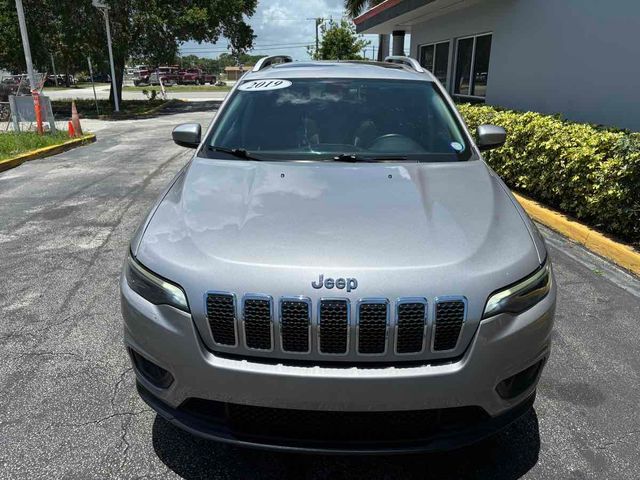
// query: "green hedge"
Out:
[588,172]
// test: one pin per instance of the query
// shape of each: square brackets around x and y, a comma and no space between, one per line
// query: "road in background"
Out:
[102,92]
[68,406]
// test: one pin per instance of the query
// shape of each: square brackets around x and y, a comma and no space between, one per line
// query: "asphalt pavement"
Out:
[68,405]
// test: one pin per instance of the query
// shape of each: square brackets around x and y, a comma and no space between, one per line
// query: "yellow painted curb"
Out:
[619,253]
[46,151]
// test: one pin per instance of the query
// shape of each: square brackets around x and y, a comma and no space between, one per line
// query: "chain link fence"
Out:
[17,85]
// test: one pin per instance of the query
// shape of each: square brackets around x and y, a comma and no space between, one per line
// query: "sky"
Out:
[282,27]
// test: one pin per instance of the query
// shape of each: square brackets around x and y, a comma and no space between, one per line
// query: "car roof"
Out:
[339,69]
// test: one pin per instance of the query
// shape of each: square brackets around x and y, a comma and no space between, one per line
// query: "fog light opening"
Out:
[520,382]
[153,373]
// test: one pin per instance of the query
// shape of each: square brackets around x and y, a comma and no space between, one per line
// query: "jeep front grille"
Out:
[334,326]
[409,328]
[257,322]
[295,319]
[449,318]
[221,312]
[372,327]
[410,332]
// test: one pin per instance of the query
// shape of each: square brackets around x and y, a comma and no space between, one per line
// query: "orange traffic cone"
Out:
[72,131]
[75,119]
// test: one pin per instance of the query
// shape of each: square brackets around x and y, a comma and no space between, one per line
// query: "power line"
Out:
[255,46]
[251,52]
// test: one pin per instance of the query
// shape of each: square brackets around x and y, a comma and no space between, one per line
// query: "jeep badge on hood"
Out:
[339,283]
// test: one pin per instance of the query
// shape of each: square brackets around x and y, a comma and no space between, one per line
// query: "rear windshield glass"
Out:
[313,119]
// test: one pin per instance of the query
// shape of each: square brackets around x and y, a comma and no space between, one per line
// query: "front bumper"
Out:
[502,347]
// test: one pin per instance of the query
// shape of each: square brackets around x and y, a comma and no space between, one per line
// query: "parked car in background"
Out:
[62,80]
[196,76]
[101,78]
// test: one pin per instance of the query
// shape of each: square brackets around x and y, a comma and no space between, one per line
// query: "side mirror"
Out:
[490,137]
[187,135]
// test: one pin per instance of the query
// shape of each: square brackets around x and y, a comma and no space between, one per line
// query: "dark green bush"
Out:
[590,173]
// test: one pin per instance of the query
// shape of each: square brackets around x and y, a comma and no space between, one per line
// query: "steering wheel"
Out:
[395,142]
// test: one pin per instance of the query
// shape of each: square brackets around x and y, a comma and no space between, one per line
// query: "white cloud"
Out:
[282,27]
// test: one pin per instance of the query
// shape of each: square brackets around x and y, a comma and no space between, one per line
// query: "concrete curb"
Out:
[46,151]
[619,253]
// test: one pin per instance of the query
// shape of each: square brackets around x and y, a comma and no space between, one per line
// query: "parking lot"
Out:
[68,405]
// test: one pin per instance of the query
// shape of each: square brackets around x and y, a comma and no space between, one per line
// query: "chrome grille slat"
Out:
[295,320]
[449,318]
[333,326]
[257,318]
[221,313]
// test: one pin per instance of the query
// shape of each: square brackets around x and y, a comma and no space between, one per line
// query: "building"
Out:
[234,72]
[579,58]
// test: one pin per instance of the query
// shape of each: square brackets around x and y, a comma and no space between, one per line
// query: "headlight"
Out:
[153,288]
[521,296]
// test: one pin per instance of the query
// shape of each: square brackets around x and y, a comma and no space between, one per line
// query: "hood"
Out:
[424,229]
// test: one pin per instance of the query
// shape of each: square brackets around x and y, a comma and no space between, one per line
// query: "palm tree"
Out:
[355,8]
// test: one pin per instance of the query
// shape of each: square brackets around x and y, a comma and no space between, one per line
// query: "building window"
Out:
[435,58]
[472,66]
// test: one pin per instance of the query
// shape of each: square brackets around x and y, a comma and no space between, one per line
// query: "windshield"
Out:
[331,119]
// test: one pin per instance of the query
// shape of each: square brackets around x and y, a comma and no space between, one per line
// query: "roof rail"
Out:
[408,61]
[265,62]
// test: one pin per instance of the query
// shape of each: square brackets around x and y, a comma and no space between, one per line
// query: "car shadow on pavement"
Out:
[507,455]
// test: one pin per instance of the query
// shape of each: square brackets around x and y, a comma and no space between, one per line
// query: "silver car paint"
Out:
[503,346]
[402,229]
[272,227]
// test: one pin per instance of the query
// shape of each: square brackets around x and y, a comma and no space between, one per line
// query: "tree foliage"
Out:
[151,29]
[339,41]
[216,65]
[589,172]
[356,7]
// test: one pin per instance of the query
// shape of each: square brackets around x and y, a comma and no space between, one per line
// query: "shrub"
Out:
[588,172]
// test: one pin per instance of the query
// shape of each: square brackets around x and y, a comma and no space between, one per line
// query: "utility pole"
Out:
[318,22]
[104,8]
[29,62]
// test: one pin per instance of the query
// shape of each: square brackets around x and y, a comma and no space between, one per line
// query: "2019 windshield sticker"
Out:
[263,85]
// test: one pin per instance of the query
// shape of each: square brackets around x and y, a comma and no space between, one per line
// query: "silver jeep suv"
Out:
[338,270]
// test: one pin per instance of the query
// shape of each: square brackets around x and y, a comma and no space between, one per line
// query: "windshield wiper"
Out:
[236,152]
[352,157]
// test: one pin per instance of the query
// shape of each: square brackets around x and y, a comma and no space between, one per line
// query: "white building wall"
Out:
[580,58]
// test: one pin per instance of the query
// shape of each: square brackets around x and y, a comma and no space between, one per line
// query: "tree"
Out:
[354,8]
[157,28]
[227,59]
[140,28]
[339,42]
[210,65]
